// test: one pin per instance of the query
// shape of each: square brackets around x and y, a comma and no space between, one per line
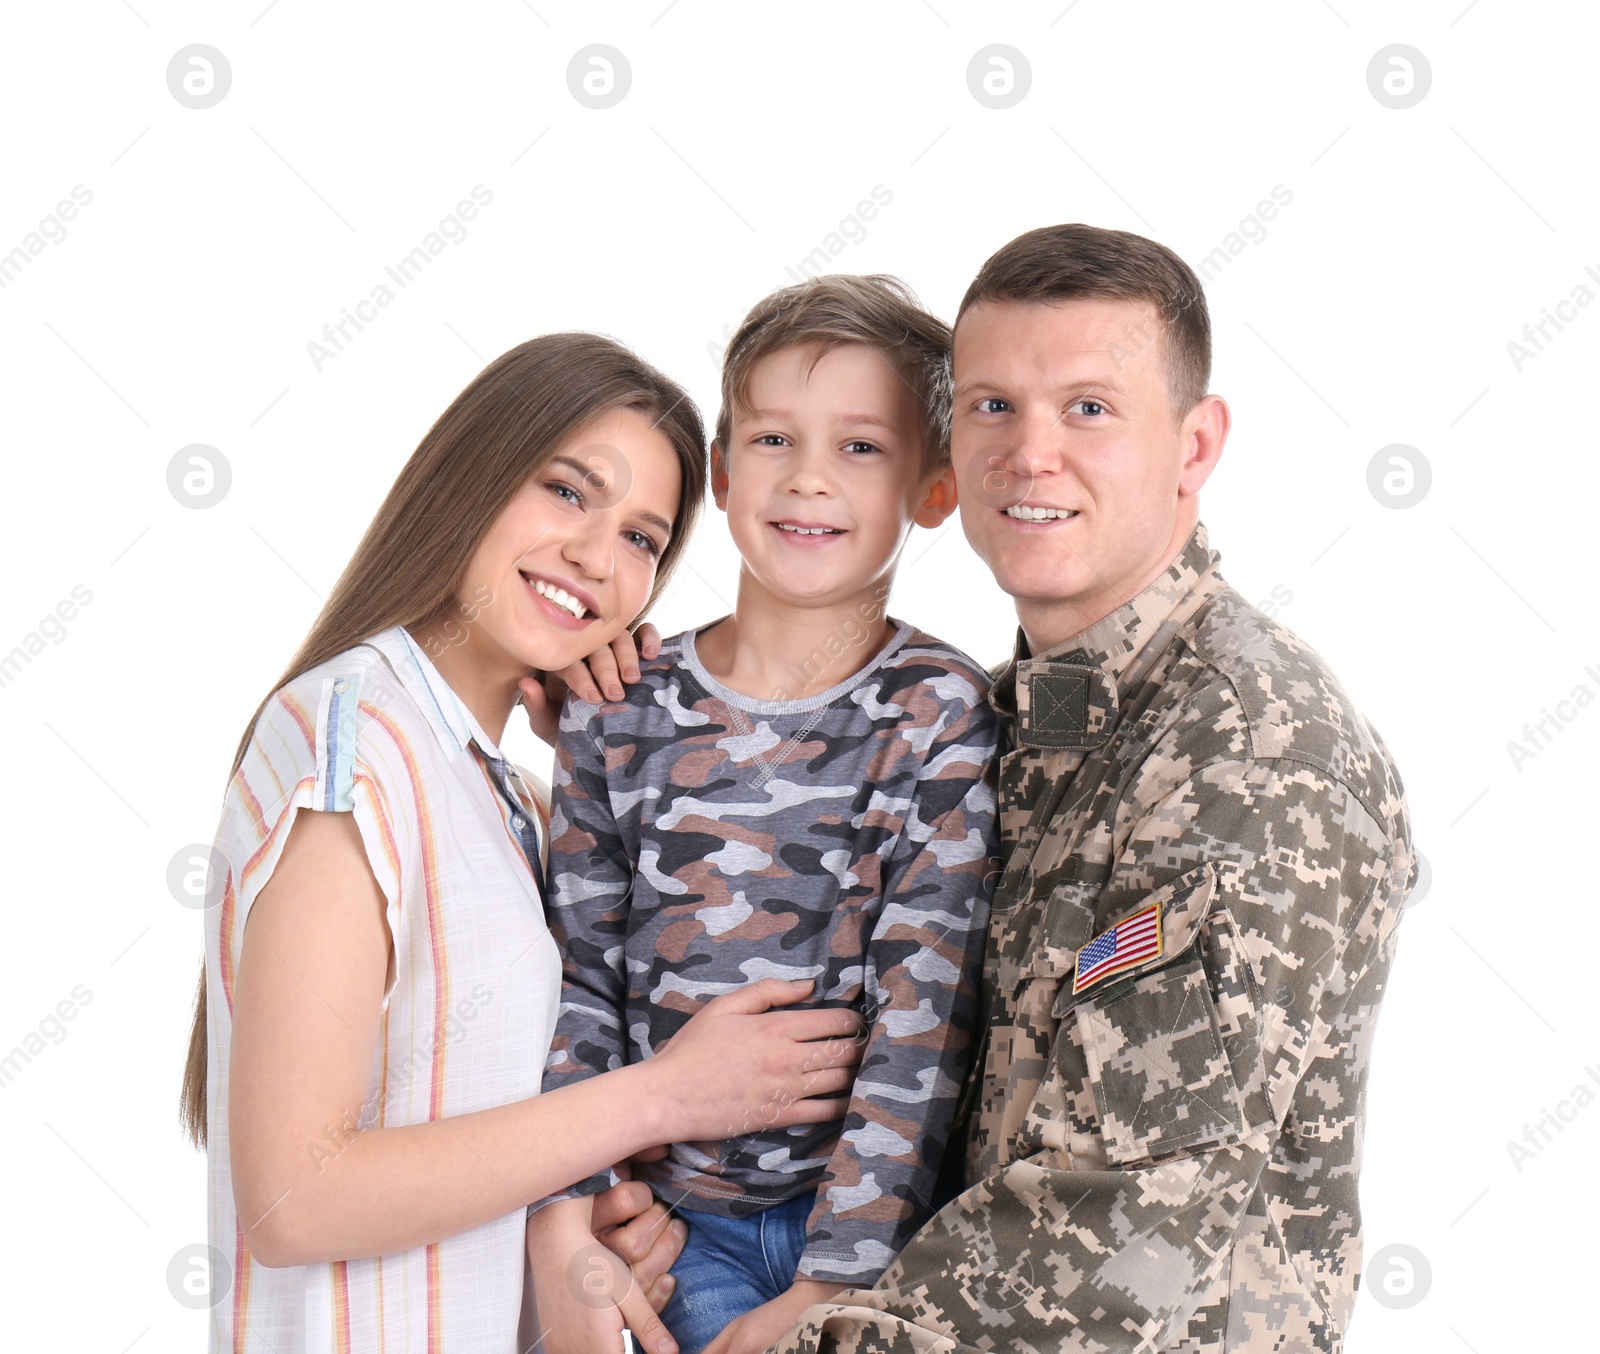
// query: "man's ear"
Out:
[719,476]
[939,501]
[1205,430]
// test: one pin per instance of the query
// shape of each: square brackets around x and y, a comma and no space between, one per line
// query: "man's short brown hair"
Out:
[875,310]
[1061,263]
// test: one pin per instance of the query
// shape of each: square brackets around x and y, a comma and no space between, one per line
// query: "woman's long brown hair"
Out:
[501,429]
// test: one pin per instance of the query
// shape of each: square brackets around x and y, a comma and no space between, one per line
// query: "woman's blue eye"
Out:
[645,542]
[1091,407]
[985,405]
[560,489]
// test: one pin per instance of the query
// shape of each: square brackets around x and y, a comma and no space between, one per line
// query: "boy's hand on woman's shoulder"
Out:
[596,679]
[762,1327]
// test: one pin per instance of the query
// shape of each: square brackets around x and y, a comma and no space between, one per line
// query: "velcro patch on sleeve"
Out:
[1131,941]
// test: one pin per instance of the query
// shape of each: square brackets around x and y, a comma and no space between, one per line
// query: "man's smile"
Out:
[1038,514]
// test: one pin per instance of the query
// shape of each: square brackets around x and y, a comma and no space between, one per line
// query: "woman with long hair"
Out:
[380,987]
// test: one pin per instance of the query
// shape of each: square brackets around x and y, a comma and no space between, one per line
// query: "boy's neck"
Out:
[774,648]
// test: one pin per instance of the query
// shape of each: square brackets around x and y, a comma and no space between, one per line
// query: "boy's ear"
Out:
[940,501]
[719,476]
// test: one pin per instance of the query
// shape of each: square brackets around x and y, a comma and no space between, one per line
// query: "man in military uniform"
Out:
[1207,845]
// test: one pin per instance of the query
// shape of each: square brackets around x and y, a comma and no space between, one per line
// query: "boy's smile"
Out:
[807,531]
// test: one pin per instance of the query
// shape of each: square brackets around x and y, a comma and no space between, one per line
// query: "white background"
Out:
[1376,310]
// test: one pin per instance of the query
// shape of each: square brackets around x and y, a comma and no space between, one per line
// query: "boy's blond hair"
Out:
[875,310]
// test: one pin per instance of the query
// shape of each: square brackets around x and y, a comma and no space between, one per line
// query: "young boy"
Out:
[804,789]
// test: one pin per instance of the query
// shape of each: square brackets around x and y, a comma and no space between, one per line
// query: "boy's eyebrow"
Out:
[873,419]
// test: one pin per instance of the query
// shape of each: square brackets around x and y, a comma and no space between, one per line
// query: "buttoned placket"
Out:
[1071,718]
[524,817]
[458,732]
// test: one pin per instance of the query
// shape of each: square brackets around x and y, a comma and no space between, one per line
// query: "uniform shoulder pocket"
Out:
[1169,1044]
[1152,933]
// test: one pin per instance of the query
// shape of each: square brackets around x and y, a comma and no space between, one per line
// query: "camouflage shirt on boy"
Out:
[701,839]
[1207,848]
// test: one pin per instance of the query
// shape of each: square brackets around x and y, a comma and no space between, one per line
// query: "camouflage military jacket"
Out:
[1208,847]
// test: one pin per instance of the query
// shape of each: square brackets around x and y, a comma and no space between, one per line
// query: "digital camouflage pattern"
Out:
[1166,1160]
[701,839]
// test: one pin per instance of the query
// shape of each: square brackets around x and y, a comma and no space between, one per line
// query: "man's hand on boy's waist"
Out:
[761,1327]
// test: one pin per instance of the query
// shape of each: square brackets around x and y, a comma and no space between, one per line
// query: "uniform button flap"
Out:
[1064,705]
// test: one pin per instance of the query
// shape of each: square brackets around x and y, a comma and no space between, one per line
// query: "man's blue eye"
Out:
[1091,407]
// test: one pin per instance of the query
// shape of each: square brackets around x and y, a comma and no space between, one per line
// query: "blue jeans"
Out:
[731,1265]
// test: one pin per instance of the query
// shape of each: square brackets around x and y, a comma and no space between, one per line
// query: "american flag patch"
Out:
[1129,942]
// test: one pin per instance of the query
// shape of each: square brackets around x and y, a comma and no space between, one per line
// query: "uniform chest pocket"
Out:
[1153,1037]
[1160,1073]
[1046,940]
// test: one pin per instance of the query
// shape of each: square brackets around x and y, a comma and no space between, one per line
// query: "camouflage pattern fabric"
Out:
[1165,1157]
[701,839]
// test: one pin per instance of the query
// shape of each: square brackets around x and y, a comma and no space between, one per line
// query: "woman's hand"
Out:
[583,1294]
[308,1008]
[596,679]
[738,1067]
[629,1221]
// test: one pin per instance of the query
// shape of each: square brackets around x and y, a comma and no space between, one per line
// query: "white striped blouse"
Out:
[467,1021]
